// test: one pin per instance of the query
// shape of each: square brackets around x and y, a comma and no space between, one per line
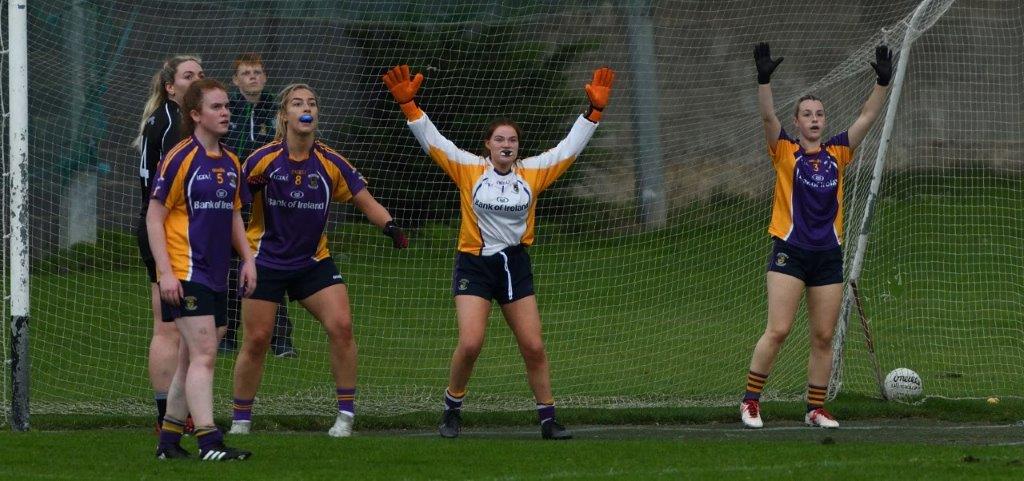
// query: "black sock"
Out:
[161,407]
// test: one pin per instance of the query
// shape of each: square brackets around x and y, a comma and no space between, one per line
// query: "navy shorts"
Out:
[505,276]
[198,300]
[142,238]
[272,284]
[815,268]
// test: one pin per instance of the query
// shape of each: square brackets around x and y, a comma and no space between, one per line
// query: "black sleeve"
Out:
[152,150]
[172,136]
[159,135]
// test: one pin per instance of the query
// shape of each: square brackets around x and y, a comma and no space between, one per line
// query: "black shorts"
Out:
[142,237]
[198,300]
[815,268]
[505,276]
[271,284]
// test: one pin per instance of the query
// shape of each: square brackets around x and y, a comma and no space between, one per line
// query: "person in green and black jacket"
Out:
[253,124]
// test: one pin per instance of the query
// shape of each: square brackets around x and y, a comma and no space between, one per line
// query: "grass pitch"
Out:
[644,452]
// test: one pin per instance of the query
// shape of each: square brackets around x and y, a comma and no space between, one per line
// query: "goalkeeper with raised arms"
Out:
[293,181]
[806,230]
[498,198]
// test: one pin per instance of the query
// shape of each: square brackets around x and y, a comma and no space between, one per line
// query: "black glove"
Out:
[765,64]
[883,64]
[398,238]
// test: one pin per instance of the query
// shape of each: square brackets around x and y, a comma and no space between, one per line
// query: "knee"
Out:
[339,329]
[470,348]
[202,360]
[256,341]
[166,333]
[534,355]
[776,336]
[821,341]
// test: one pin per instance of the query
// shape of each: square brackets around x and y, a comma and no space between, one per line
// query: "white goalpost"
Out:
[851,294]
[17,260]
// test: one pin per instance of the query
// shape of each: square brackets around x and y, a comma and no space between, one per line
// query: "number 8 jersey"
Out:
[291,200]
[498,210]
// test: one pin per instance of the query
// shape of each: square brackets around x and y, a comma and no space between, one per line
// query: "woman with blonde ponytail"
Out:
[288,239]
[159,131]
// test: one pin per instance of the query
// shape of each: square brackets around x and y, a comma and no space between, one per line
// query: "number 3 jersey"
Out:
[498,209]
[290,202]
[808,207]
[201,192]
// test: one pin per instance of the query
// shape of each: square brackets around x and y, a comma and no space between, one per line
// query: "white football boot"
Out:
[342,426]
[750,413]
[821,418]
[240,427]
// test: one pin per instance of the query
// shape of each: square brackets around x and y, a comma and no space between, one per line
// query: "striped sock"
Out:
[815,397]
[208,437]
[755,383]
[346,400]
[242,410]
[453,400]
[546,411]
[171,431]
[161,406]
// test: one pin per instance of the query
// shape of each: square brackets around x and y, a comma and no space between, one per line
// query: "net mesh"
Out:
[633,315]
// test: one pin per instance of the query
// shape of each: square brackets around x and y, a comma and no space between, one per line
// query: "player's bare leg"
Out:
[524,319]
[258,327]
[331,307]
[784,293]
[163,354]
[471,313]
[823,303]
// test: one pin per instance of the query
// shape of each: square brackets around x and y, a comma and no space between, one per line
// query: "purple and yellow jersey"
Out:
[290,202]
[201,192]
[808,207]
[498,209]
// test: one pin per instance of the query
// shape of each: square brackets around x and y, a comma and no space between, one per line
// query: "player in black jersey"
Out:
[159,130]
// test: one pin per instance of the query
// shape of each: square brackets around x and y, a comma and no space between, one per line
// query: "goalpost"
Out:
[650,252]
[17,261]
[851,294]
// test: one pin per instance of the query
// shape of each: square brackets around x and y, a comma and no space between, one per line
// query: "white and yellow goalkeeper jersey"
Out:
[498,210]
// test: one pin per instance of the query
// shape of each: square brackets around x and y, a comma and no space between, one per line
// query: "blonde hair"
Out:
[157,92]
[193,100]
[282,106]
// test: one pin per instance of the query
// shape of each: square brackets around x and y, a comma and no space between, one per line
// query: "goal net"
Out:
[650,254]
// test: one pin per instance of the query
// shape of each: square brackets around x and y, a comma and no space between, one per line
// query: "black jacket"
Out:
[252,125]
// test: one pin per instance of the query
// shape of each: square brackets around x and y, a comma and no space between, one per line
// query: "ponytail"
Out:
[158,92]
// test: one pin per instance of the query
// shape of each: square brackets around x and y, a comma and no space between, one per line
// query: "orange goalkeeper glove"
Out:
[598,91]
[403,88]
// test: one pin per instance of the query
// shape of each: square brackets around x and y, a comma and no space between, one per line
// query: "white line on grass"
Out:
[725,429]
